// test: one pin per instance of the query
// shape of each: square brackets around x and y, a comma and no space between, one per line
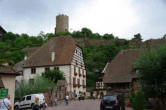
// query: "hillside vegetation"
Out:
[95,56]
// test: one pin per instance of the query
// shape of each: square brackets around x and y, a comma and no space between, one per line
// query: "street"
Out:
[80,105]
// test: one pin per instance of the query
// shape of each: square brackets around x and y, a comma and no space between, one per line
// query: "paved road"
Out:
[80,105]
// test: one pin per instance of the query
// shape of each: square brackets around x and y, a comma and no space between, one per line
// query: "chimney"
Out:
[25,57]
[52,56]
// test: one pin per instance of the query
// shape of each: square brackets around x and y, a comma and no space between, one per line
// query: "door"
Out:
[22,103]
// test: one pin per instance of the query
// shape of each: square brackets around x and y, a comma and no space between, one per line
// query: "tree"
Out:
[152,69]
[108,36]
[164,36]
[137,37]
[54,75]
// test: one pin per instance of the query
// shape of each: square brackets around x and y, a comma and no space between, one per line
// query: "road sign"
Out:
[3,93]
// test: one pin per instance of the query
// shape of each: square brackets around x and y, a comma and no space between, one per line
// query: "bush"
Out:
[137,101]
[39,85]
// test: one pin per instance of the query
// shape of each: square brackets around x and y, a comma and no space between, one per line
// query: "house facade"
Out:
[7,80]
[120,76]
[60,53]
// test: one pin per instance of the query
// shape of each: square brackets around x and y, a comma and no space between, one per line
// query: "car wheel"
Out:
[16,107]
[32,106]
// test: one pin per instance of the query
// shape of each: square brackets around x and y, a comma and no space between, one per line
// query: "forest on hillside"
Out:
[95,57]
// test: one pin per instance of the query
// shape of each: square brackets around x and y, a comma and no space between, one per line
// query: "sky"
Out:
[123,18]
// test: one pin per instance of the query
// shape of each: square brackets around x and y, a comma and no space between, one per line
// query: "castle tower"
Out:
[62,23]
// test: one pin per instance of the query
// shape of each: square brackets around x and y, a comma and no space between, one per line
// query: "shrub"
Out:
[39,85]
[137,101]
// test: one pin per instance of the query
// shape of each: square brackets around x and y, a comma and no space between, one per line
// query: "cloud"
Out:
[124,18]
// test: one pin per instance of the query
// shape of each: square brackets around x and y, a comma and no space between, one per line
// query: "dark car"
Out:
[112,103]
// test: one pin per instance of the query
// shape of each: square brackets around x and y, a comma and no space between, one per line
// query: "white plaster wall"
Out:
[78,56]
[66,70]
[9,83]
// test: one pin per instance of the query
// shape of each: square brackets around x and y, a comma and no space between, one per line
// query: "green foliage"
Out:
[152,68]
[108,36]
[39,85]
[91,78]
[137,37]
[11,46]
[63,33]
[137,101]
[54,75]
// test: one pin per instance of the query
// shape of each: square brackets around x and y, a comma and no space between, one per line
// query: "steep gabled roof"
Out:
[64,48]
[30,50]
[7,70]
[121,68]
[2,30]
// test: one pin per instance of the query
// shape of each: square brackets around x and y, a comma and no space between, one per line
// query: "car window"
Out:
[110,98]
[23,99]
[28,98]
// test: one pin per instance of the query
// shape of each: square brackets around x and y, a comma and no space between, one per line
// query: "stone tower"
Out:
[62,23]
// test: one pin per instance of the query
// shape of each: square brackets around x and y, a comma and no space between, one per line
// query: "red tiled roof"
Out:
[63,47]
[121,68]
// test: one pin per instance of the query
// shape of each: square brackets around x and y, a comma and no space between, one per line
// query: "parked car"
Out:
[28,101]
[112,102]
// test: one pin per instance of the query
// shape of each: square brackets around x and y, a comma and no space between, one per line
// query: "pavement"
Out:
[79,105]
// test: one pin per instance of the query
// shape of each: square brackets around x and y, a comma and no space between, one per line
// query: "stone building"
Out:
[58,53]
[62,23]
[120,75]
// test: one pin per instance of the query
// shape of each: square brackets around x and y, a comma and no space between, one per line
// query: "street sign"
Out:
[3,93]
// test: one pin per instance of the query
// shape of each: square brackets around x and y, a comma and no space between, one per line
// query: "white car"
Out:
[28,101]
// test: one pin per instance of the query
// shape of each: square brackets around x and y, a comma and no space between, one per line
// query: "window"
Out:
[74,80]
[33,70]
[74,69]
[47,69]
[28,98]
[23,99]
[78,81]
[76,62]
[56,68]
[83,82]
